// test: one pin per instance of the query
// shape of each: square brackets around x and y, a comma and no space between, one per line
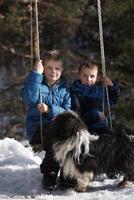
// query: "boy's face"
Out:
[52,71]
[88,76]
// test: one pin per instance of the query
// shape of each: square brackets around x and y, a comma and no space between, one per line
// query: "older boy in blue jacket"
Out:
[45,93]
[89,97]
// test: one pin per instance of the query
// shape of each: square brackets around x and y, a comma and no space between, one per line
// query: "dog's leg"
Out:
[125,182]
[83,181]
[122,183]
[128,177]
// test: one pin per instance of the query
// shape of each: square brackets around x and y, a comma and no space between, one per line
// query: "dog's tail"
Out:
[83,142]
[76,145]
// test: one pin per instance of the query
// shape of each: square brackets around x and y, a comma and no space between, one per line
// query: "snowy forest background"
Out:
[73,26]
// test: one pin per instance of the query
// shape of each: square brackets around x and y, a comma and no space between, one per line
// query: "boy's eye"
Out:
[48,67]
[92,76]
[84,76]
[57,68]
[51,68]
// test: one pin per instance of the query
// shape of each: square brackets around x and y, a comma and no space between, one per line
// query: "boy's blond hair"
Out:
[55,55]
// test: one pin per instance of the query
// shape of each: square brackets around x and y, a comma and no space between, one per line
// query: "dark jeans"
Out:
[48,164]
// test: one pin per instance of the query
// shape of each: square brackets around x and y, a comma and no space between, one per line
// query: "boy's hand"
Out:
[101,116]
[107,81]
[43,108]
[39,67]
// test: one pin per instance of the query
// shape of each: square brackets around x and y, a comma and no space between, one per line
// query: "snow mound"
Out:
[20,178]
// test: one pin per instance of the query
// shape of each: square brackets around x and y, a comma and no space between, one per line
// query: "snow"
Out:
[20,178]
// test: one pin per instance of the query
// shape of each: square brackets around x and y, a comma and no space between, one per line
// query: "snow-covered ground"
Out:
[20,178]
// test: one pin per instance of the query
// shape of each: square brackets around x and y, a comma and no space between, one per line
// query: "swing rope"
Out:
[38,52]
[31,31]
[103,61]
[37,29]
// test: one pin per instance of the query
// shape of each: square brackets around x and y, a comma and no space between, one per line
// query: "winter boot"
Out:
[49,180]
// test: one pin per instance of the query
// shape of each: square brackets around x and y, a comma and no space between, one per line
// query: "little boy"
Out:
[46,93]
[88,97]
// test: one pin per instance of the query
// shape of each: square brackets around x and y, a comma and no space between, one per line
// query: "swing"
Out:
[38,56]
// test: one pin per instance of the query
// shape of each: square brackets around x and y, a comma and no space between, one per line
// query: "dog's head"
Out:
[67,124]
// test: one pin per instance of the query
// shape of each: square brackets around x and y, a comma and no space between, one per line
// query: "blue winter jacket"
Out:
[88,100]
[56,97]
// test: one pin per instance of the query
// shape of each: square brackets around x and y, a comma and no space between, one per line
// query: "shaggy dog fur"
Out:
[83,156]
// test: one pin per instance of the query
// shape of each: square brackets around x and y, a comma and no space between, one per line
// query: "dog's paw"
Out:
[80,189]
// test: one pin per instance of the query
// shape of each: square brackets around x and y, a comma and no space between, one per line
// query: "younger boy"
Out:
[88,97]
[46,93]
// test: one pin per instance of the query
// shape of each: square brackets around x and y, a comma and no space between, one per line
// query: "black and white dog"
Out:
[82,156]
